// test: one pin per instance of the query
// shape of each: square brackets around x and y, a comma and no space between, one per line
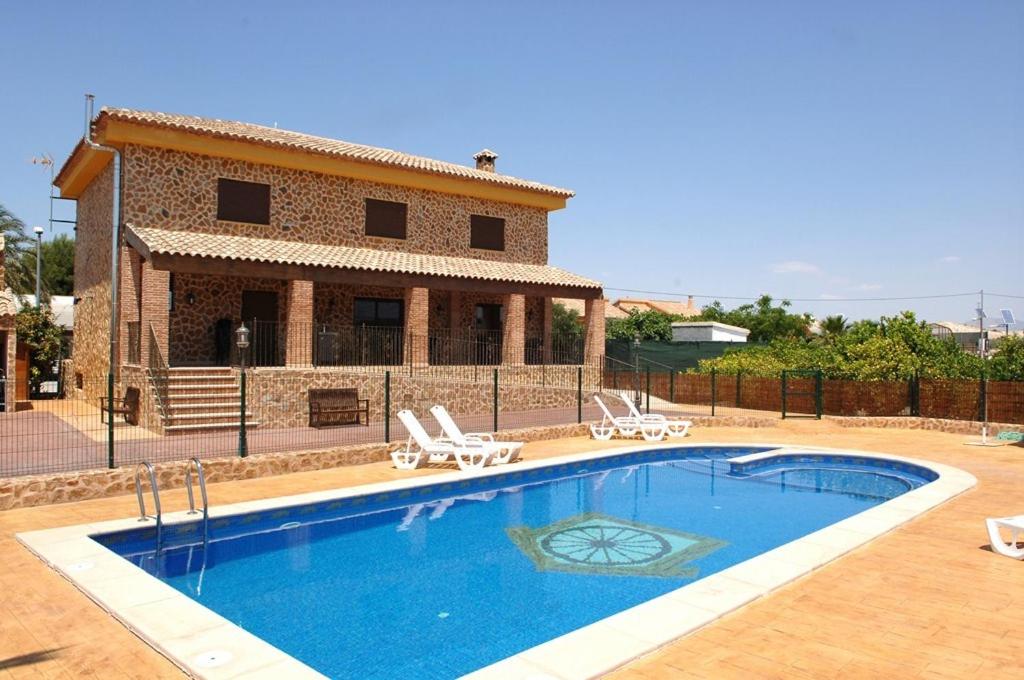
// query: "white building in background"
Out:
[61,306]
[707,331]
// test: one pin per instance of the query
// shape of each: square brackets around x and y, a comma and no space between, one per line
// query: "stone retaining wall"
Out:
[966,427]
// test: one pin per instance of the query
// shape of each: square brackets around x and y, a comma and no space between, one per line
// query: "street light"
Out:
[39,262]
[242,341]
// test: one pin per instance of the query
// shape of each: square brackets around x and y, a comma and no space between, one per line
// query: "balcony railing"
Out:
[322,344]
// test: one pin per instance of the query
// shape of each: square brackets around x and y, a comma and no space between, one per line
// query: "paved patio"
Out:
[927,600]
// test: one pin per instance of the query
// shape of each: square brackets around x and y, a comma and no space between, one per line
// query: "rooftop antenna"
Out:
[983,350]
[46,160]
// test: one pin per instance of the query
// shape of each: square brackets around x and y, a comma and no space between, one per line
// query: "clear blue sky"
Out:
[804,149]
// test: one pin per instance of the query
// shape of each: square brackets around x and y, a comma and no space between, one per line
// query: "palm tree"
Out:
[18,276]
[834,326]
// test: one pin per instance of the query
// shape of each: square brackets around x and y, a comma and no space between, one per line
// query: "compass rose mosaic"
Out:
[592,543]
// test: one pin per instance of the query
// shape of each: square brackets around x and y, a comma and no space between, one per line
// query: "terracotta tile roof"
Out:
[274,137]
[666,306]
[579,306]
[8,305]
[246,248]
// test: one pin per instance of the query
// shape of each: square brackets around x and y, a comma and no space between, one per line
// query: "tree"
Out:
[16,242]
[565,321]
[648,325]
[1008,361]
[764,321]
[58,265]
[834,326]
[36,328]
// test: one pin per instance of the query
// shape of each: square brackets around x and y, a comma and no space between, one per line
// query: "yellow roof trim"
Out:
[83,166]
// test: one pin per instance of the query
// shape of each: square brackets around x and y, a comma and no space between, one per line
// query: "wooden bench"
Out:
[337,406]
[128,406]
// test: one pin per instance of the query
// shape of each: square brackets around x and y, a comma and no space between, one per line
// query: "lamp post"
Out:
[39,263]
[242,341]
[636,370]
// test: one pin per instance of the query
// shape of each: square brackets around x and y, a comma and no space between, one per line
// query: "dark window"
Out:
[243,201]
[486,232]
[375,312]
[385,218]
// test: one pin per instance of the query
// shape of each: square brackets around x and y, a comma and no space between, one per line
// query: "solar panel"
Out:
[1007,317]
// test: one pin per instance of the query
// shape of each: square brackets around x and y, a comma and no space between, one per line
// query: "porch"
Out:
[183,310]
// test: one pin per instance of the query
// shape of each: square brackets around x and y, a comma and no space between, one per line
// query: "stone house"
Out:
[331,253]
[8,341]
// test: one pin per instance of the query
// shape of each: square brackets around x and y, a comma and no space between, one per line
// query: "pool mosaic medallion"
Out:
[592,543]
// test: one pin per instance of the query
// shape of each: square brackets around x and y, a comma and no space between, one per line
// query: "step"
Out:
[212,394]
[214,406]
[208,416]
[205,386]
[200,369]
[227,377]
[191,429]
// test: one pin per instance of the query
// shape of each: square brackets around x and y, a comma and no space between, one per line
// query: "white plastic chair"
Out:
[627,426]
[501,452]
[1016,527]
[433,451]
[674,426]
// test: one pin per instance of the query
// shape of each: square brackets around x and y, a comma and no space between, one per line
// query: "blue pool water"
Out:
[441,580]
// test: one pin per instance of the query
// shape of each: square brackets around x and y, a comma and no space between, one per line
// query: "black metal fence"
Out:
[74,433]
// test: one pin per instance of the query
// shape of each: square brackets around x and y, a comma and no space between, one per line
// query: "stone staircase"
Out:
[203,400]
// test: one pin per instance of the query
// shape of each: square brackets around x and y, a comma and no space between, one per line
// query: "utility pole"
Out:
[39,265]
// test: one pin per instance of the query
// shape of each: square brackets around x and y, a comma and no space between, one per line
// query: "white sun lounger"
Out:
[1016,527]
[421,449]
[501,452]
[626,426]
[674,426]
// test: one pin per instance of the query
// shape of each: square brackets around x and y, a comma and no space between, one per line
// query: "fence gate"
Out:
[801,394]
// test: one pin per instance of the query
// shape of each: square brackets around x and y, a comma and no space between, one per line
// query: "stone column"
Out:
[153,312]
[298,343]
[417,325]
[513,337]
[548,322]
[593,344]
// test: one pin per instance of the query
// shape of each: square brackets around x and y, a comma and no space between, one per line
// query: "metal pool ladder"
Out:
[156,497]
[194,463]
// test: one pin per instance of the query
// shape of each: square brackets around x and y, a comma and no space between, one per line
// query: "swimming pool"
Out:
[436,579]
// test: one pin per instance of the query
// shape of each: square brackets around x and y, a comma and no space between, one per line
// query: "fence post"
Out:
[243,444]
[648,388]
[672,386]
[915,395]
[714,387]
[110,420]
[739,379]
[818,395]
[982,398]
[387,407]
[579,394]
[783,395]
[495,400]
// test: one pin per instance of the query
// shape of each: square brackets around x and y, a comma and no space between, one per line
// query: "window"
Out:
[385,218]
[487,233]
[239,201]
[377,312]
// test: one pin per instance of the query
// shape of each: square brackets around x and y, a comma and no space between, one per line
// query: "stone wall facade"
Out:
[92,282]
[175,190]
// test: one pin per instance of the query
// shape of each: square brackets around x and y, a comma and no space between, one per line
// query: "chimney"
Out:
[485,160]
[689,301]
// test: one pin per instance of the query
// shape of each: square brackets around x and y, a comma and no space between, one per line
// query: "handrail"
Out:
[156,497]
[194,463]
[158,372]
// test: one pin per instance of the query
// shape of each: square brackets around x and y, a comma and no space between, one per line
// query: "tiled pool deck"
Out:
[924,600]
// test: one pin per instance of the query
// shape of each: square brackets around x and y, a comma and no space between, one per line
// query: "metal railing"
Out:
[159,373]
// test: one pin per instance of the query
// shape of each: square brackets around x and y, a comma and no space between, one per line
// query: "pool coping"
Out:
[206,645]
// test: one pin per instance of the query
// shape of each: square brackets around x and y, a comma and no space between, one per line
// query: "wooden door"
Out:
[21,373]
[260,314]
